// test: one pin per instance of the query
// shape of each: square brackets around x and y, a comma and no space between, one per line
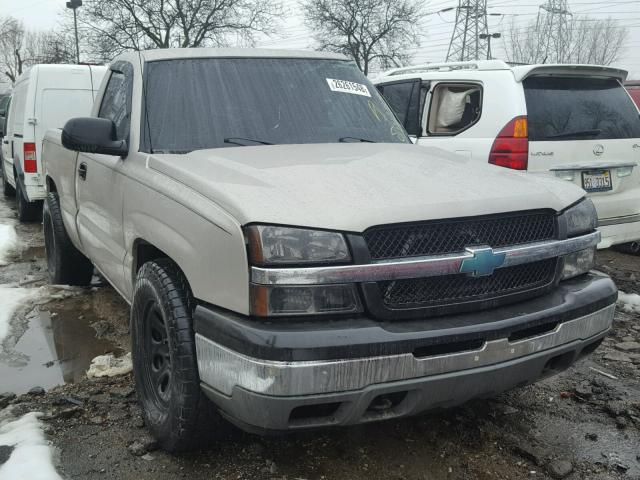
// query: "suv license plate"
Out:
[597,181]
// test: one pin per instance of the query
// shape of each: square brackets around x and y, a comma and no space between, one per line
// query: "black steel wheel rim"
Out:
[158,373]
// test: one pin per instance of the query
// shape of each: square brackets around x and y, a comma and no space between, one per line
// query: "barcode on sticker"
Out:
[346,86]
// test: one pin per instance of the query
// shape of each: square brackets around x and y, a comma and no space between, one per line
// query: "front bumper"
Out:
[289,375]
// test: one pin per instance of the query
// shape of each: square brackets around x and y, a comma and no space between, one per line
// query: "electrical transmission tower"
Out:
[471,22]
[553,31]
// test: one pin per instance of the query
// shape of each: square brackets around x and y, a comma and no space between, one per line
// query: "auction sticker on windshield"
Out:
[346,86]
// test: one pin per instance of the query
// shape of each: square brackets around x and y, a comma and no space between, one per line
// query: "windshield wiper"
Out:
[579,133]
[242,141]
[354,139]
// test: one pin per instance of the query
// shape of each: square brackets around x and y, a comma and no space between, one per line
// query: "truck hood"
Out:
[353,186]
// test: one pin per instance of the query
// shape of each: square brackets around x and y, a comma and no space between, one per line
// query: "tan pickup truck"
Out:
[292,261]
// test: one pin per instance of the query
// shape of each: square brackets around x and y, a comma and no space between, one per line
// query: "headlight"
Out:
[581,218]
[270,245]
[577,263]
[280,300]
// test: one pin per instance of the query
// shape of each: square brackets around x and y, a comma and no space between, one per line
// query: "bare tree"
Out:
[11,43]
[589,41]
[372,32]
[108,28]
[50,46]
[20,49]
[596,41]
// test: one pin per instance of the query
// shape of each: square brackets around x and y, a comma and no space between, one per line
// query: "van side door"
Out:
[100,183]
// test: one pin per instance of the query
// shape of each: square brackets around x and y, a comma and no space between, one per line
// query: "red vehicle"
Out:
[633,87]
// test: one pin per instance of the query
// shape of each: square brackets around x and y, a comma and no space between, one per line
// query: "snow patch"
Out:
[629,302]
[8,241]
[110,366]
[12,298]
[31,458]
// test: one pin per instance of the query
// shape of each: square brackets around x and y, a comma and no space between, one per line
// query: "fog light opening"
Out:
[321,413]
[386,402]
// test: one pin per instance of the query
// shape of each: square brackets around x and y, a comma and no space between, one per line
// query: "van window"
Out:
[5,120]
[574,108]
[454,108]
[4,105]
[18,105]
[116,102]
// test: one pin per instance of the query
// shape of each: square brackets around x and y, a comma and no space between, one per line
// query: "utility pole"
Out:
[553,30]
[73,5]
[471,22]
[488,37]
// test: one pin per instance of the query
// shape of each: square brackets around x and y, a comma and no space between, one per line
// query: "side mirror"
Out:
[93,135]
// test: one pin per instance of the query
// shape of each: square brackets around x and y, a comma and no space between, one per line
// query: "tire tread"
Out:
[72,267]
[194,423]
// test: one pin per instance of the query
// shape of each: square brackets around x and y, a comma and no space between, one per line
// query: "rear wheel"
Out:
[67,266]
[165,365]
[27,211]
[7,189]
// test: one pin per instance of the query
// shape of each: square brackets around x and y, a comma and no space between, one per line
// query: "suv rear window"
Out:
[573,108]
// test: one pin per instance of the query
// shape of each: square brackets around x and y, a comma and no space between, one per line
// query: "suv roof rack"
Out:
[448,66]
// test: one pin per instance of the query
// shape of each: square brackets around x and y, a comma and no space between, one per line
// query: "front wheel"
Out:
[165,365]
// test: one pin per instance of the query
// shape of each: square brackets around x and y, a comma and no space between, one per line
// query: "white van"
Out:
[44,97]
[576,122]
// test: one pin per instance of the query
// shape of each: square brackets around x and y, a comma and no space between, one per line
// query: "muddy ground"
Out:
[581,424]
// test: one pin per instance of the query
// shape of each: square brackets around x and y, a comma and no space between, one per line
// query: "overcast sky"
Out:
[42,14]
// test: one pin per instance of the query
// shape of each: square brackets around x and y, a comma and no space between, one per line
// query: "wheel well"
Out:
[144,252]
[51,185]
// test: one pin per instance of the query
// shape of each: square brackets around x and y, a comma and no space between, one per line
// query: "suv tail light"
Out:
[30,163]
[511,147]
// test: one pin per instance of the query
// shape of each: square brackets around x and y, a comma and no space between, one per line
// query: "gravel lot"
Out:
[581,424]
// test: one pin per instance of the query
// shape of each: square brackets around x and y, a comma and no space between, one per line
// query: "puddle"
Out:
[56,348]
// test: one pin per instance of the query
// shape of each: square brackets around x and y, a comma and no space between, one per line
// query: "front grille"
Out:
[450,290]
[451,236]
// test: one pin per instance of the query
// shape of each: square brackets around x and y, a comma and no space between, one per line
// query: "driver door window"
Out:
[116,102]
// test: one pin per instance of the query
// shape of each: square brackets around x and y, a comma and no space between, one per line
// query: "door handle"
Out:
[82,171]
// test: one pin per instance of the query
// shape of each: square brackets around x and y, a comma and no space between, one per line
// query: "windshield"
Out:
[574,108]
[195,104]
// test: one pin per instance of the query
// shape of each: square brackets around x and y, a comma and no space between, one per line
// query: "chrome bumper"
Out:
[223,369]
